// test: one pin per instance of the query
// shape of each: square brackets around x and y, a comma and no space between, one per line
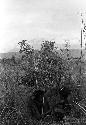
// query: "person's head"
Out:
[65,92]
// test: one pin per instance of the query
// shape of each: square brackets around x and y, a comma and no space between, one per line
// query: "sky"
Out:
[38,20]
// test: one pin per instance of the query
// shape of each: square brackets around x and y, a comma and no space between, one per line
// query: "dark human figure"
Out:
[32,109]
[37,104]
[38,99]
[64,94]
[62,107]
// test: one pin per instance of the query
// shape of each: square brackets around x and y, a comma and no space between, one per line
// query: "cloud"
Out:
[39,19]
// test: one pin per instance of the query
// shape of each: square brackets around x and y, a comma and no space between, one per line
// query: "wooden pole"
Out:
[43,106]
[81,48]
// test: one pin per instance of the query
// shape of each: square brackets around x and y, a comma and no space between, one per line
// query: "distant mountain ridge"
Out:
[9,54]
[74,53]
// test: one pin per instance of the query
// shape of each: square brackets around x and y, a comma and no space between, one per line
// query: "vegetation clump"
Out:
[53,74]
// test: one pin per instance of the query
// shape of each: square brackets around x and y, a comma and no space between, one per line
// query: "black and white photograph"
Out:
[43,62]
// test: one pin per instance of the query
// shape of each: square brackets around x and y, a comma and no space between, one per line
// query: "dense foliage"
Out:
[44,69]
